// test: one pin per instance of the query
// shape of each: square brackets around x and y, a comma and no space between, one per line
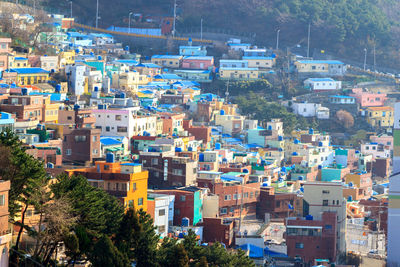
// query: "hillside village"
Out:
[144,129]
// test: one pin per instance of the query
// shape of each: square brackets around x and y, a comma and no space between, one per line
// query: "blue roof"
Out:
[28,70]
[321,79]
[321,62]
[166,56]
[131,164]
[168,76]
[108,141]
[20,58]
[233,140]
[189,47]
[148,65]
[199,57]
[265,58]
[127,61]
[254,251]
[239,44]
[76,34]
[146,92]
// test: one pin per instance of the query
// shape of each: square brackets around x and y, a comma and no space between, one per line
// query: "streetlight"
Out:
[71,7]
[129,23]
[365,58]
[97,14]
[201,29]
[277,39]
[173,31]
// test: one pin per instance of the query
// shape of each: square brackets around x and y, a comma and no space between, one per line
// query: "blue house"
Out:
[6,121]
[192,51]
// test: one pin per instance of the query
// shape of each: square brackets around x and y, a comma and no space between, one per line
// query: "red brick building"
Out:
[236,196]
[199,132]
[381,167]
[81,145]
[218,230]
[310,239]
[277,204]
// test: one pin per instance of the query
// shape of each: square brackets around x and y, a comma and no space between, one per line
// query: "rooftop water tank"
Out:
[222,112]
[309,217]
[185,222]
[58,88]
[218,146]
[201,157]
[110,158]
[311,131]
[296,141]
[178,149]
[280,138]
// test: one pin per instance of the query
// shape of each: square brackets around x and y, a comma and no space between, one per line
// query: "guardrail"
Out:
[77,25]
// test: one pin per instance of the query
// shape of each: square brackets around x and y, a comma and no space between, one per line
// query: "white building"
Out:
[322,197]
[163,212]
[49,63]
[230,124]
[124,122]
[393,256]
[322,84]
[305,109]
[76,78]
[323,113]
[376,150]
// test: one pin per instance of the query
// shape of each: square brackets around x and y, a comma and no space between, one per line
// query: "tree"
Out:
[106,254]
[27,176]
[98,212]
[137,238]
[202,263]
[190,243]
[345,118]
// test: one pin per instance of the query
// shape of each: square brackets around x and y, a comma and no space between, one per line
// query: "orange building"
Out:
[126,181]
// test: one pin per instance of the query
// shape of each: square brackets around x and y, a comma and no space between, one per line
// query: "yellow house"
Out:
[126,181]
[66,58]
[50,111]
[28,76]
[260,62]
[330,67]
[126,80]
[18,62]
[380,116]
[238,73]
[169,61]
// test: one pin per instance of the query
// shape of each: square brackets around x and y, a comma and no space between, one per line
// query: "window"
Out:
[29,213]
[325,191]
[235,196]
[107,128]
[232,209]
[106,167]
[69,118]
[299,245]
[246,195]
[154,161]
[161,212]
[133,186]
[177,212]
[121,129]
[278,203]
[68,152]
[117,117]
[130,203]
[94,151]
[183,198]
[161,228]
[227,197]
[123,185]
[177,172]
[94,138]
[223,211]
[140,201]
[328,226]
[325,202]
[2,200]
[251,194]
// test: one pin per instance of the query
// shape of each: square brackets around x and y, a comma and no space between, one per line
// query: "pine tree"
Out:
[106,254]
[137,238]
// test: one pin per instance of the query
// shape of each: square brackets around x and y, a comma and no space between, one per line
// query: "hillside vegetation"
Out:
[340,27]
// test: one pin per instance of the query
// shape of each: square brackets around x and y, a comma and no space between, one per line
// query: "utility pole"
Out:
[34,8]
[201,29]
[241,207]
[129,23]
[308,40]
[365,59]
[374,57]
[71,8]
[173,30]
[97,14]
[277,39]
[227,92]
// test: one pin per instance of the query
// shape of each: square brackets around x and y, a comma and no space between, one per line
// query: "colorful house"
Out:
[321,67]
[192,51]
[19,62]
[169,61]
[198,62]
[126,181]
[66,58]
[238,73]
[28,76]
[368,99]
[203,76]
[260,62]
[380,116]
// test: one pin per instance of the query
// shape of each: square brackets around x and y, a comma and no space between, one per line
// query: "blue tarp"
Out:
[254,251]
[273,254]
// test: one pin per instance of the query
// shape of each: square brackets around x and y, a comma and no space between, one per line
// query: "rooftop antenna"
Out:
[227,92]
